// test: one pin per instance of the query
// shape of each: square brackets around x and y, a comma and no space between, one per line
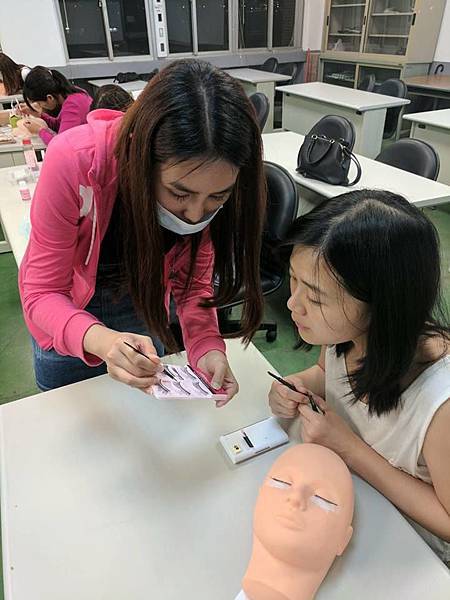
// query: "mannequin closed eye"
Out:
[319,501]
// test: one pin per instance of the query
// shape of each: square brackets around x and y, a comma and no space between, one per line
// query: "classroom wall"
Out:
[30,32]
[314,12]
[443,46]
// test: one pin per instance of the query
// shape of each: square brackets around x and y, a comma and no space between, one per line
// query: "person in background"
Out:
[135,210]
[12,76]
[365,285]
[113,97]
[47,91]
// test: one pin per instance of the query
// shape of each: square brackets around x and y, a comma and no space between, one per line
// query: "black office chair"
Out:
[261,105]
[414,156]
[398,89]
[282,207]
[368,83]
[270,65]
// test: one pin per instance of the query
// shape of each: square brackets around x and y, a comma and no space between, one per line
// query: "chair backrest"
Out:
[270,65]
[414,156]
[368,83]
[282,202]
[261,105]
[398,89]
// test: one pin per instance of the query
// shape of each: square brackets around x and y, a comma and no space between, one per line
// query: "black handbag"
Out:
[126,77]
[327,151]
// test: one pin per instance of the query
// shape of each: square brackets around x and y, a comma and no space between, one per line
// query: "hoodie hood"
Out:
[104,127]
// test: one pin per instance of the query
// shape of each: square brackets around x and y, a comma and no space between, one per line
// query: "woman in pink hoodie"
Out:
[48,91]
[134,210]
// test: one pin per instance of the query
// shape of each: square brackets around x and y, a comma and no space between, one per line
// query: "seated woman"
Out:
[48,91]
[112,96]
[12,76]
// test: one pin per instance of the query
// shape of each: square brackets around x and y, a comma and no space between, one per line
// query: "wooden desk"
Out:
[109,494]
[260,81]
[433,127]
[282,148]
[306,103]
[435,86]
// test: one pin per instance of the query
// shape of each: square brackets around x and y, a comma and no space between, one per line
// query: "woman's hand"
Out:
[328,429]
[26,110]
[123,363]
[33,125]
[215,365]
[285,402]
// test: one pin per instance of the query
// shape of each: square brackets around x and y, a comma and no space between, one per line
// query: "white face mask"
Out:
[173,223]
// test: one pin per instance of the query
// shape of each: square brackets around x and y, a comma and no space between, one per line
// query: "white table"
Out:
[130,86]
[9,99]
[14,215]
[254,81]
[306,103]
[12,154]
[434,127]
[282,148]
[109,494]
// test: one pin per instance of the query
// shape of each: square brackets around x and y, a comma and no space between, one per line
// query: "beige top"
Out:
[399,435]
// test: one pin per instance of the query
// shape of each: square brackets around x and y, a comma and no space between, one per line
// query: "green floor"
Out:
[16,371]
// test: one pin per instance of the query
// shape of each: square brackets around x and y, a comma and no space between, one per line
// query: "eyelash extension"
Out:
[278,483]
[323,503]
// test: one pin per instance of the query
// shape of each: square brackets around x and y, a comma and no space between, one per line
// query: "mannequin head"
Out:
[302,521]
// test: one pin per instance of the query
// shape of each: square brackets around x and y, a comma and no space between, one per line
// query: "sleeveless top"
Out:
[399,435]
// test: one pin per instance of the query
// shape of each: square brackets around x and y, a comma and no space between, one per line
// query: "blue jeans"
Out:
[52,370]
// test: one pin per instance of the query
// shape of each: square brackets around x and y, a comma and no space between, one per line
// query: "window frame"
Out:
[233,36]
[109,46]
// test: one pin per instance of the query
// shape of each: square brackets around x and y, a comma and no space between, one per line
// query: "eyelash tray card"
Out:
[183,383]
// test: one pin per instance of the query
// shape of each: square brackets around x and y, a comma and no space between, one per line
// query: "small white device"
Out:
[252,440]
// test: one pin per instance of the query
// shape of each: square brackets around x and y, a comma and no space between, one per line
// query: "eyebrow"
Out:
[311,286]
[182,188]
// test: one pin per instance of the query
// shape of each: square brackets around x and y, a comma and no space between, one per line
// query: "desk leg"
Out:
[369,133]
[268,89]
[440,140]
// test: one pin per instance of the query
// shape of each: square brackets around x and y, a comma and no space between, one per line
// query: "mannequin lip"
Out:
[290,523]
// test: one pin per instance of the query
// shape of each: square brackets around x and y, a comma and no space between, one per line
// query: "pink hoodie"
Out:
[73,112]
[70,214]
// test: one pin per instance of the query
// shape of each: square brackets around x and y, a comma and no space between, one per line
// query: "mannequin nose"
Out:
[298,498]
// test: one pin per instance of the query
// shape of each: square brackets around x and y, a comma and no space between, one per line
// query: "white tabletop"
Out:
[107,493]
[6,99]
[255,76]
[342,96]
[17,146]
[130,86]
[435,118]
[15,213]
[282,148]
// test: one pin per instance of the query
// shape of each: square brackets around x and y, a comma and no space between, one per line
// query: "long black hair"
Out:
[11,74]
[192,110]
[113,97]
[41,82]
[385,252]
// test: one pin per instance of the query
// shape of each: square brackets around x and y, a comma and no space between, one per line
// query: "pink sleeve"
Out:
[199,325]
[47,269]
[52,122]
[46,135]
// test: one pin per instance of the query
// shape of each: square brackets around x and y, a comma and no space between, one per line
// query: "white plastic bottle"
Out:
[30,155]
[24,190]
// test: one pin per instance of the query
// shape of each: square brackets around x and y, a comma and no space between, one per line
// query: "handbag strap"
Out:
[352,157]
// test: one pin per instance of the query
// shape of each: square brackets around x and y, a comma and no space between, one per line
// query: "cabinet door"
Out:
[339,73]
[389,26]
[345,25]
